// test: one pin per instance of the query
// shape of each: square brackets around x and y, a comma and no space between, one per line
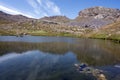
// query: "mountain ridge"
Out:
[97,16]
[87,21]
[100,12]
[14,18]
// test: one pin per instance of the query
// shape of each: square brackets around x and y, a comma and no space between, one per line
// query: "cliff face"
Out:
[100,13]
[96,17]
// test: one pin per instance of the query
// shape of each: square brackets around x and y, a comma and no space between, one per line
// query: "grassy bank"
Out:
[7,33]
[108,32]
[45,33]
[35,33]
[113,37]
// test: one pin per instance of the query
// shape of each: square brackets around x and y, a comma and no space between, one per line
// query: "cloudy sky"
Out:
[41,8]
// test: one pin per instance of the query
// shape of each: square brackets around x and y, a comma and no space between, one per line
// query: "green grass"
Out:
[115,37]
[66,34]
[101,35]
[98,35]
[38,32]
[5,32]
[45,33]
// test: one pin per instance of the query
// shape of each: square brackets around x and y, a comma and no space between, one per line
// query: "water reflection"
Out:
[36,39]
[51,58]
[95,53]
[36,65]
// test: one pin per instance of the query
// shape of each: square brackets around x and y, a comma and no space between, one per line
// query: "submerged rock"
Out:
[84,68]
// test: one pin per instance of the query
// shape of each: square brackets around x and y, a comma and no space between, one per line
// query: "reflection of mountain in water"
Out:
[36,65]
[94,52]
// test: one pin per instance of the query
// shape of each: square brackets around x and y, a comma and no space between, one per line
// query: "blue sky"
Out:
[41,8]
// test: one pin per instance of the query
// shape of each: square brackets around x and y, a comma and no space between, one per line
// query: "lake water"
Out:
[53,58]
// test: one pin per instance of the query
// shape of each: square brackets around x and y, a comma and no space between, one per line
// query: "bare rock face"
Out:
[96,17]
[118,18]
[100,13]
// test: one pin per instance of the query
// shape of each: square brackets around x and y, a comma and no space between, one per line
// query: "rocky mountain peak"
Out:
[100,13]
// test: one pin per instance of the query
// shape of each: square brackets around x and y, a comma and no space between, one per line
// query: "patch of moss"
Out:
[101,36]
[115,37]
[5,32]
[37,33]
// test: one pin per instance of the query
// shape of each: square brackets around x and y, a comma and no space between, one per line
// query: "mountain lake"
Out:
[53,58]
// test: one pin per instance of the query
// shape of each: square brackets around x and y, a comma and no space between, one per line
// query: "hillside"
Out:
[59,19]
[4,17]
[111,31]
[95,22]
[96,17]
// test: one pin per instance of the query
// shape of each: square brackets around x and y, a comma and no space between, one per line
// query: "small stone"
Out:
[102,77]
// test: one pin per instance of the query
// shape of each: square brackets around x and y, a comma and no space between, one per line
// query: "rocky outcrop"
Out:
[100,13]
[96,17]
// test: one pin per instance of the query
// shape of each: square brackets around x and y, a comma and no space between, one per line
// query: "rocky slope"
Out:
[89,22]
[12,18]
[59,19]
[97,16]
[100,13]
[94,17]
[111,31]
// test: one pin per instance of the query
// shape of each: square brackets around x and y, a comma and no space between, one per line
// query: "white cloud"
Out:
[39,1]
[40,8]
[34,5]
[13,11]
[9,10]
[44,7]
[53,7]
